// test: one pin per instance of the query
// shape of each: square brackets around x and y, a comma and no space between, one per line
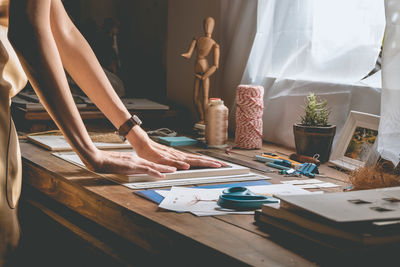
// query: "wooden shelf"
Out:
[39,120]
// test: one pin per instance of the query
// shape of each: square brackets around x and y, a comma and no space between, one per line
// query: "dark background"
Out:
[142,40]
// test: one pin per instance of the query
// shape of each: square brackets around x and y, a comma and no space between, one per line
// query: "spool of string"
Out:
[250,106]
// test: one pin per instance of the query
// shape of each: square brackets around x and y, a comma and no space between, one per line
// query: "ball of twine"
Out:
[250,106]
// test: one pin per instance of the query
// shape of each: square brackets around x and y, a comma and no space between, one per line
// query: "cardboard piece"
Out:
[357,206]
[230,169]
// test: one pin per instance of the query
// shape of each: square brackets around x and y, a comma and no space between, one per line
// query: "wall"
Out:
[185,20]
[142,40]
[144,46]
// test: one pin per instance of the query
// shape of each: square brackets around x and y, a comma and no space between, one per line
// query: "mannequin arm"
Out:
[189,53]
[214,67]
[216,55]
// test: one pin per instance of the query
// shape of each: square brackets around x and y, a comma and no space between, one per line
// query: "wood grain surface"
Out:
[179,237]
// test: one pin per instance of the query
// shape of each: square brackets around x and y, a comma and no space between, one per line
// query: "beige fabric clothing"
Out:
[12,80]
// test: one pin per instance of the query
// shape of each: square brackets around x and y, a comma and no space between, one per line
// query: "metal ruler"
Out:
[199,180]
[252,165]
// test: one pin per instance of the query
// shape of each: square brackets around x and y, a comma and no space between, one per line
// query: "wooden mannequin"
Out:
[202,70]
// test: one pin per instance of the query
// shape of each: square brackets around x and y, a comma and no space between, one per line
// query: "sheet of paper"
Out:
[203,202]
[319,185]
[199,180]
[310,183]
[58,143]
[307,181]
[327,185]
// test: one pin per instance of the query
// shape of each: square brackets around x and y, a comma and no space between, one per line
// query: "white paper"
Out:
[200,180]
[203,202]
[319,185]
[327,185]
[308,181]
[58,143]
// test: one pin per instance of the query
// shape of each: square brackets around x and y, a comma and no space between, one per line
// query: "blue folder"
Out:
[153,196]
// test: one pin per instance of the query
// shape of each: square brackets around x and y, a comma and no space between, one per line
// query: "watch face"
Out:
[137,120]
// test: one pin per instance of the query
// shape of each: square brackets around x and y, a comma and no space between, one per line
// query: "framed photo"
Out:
[356,141]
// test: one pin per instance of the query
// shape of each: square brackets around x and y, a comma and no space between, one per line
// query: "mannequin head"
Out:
[208,24]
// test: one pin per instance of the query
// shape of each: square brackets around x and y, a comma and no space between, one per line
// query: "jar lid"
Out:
[216,101]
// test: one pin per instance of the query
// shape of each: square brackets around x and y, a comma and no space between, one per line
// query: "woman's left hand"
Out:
[155,152]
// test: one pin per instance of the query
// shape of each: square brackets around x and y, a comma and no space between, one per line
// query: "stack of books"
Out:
[30,102]
[346,220]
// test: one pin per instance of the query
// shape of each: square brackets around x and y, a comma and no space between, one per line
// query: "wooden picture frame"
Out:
[358,136]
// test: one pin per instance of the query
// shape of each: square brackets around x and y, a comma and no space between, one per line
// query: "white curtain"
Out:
[317,40]
[321,46]
[389,127]
[238,22]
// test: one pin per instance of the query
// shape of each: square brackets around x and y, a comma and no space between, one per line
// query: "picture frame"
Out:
[356,141]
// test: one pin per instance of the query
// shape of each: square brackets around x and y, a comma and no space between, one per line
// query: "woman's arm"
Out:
[31,35]
[82,64]
[46,39]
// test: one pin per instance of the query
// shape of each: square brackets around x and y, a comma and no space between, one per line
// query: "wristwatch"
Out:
[127,126]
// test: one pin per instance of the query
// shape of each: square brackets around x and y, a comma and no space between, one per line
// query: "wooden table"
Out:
[134,231]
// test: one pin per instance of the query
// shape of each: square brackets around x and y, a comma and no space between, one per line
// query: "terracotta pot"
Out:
[311,140]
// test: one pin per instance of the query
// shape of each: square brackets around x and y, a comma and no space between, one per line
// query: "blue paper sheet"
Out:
[153,196]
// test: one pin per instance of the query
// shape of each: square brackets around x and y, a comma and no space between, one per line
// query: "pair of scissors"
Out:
[241,198]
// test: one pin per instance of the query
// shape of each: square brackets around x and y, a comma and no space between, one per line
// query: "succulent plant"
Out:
[316,112]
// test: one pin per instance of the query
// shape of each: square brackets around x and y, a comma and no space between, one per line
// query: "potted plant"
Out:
[314,135]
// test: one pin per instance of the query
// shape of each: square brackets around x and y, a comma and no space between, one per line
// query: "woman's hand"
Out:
[126,163]
[155,152]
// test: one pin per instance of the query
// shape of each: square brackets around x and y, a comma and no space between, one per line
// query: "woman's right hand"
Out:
[126,163]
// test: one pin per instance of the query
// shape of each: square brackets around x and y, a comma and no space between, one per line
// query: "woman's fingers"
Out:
[199,161]
[172,157]
[184,161]
[158,167]
[205,160]
[128,163]
[142,169]
[179,164]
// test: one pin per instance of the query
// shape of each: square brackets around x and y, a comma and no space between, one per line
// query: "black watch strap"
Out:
[128,125]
